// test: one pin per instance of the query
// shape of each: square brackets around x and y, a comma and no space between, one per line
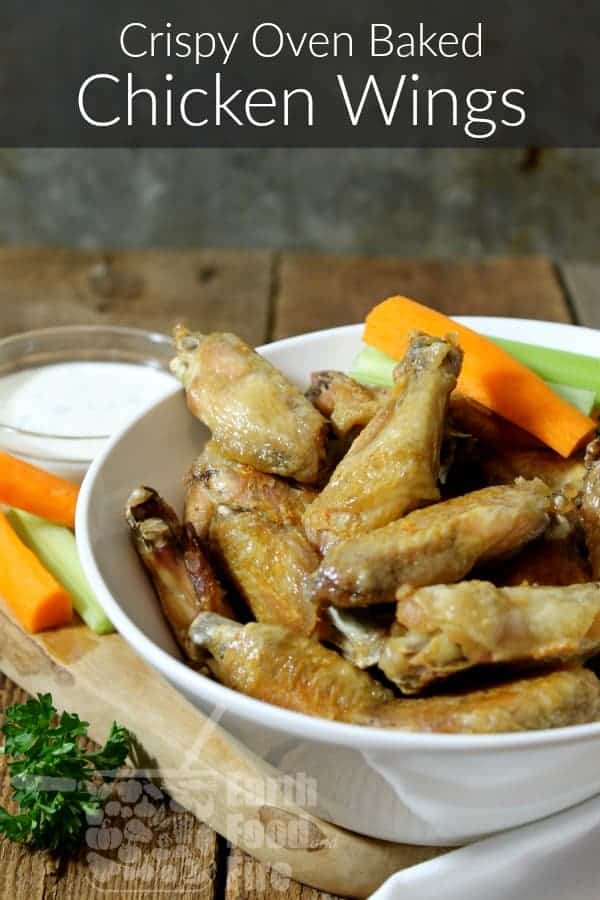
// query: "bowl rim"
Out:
[186,679]
[153,338]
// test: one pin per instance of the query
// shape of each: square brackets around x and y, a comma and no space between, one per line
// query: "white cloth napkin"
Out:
[557,858]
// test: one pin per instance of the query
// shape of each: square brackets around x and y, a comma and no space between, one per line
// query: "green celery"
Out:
[558,366]
[371,366]
[580,398]
[56,548]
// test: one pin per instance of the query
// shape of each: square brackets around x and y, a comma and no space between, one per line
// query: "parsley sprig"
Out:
[55,783]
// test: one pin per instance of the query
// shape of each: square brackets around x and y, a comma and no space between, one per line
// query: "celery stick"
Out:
[371,366]
[56,548]
[581,399]
[559,366]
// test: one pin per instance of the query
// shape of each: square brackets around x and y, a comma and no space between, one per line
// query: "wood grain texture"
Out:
[159,849]
[211,290]
[582,280]
[247,879]
[322,292]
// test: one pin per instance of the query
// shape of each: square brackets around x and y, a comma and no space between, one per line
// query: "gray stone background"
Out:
[421,203]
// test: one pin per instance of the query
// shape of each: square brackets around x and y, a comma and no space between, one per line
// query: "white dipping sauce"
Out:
[86,400]
[82,399]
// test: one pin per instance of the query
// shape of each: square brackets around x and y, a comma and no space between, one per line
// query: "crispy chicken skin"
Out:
[554,700]
[440,544]
[590,506]
[173,557]
[562,475]
[347,404]
[214,480]
[393,465]
[445,629]
[255,414]
[272,664]
[268,562]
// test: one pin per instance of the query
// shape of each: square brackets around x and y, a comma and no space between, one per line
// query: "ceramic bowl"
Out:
[406,787]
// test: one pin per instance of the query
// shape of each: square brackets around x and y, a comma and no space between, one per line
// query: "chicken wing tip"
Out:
[205,626]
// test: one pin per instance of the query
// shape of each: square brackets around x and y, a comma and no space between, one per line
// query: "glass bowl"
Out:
[70,452]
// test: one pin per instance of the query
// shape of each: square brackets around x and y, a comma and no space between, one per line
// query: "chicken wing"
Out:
[554,700]
[214,480]
[255,414]
[393,465]
[445,629]
[562,475]
[272,664]
[182,575]
[359,634]
[440,544]
[590,506]
[350,406]
[347,404]
[268,563]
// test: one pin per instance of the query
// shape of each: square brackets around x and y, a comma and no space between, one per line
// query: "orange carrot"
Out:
[36,598]
[489,374]
[36,491]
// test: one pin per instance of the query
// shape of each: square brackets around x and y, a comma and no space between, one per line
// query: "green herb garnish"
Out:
[55,783]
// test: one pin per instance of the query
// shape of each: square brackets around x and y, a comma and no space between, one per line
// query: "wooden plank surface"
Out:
[214,290]
[582,281]
[156,848]
[321,292]
[259,296]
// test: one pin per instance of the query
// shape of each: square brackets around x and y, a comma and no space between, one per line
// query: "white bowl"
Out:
[413,788]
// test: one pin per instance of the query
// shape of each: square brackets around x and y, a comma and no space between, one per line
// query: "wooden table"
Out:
[262,296]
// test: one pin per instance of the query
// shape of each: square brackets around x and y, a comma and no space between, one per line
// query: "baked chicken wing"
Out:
[393,465]
[269,563]
[214,480]
[439,544]
[255,414]
[173,557]
[347,404]
[554,700]
[445,629]
[272,664]
[590,506]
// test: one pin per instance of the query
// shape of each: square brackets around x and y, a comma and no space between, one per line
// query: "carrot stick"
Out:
[489,374]
[36,598]
[36,491]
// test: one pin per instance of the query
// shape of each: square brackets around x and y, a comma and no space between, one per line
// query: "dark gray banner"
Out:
[309,74]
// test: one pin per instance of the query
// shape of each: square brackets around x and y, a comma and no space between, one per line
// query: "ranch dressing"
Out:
[60,415]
